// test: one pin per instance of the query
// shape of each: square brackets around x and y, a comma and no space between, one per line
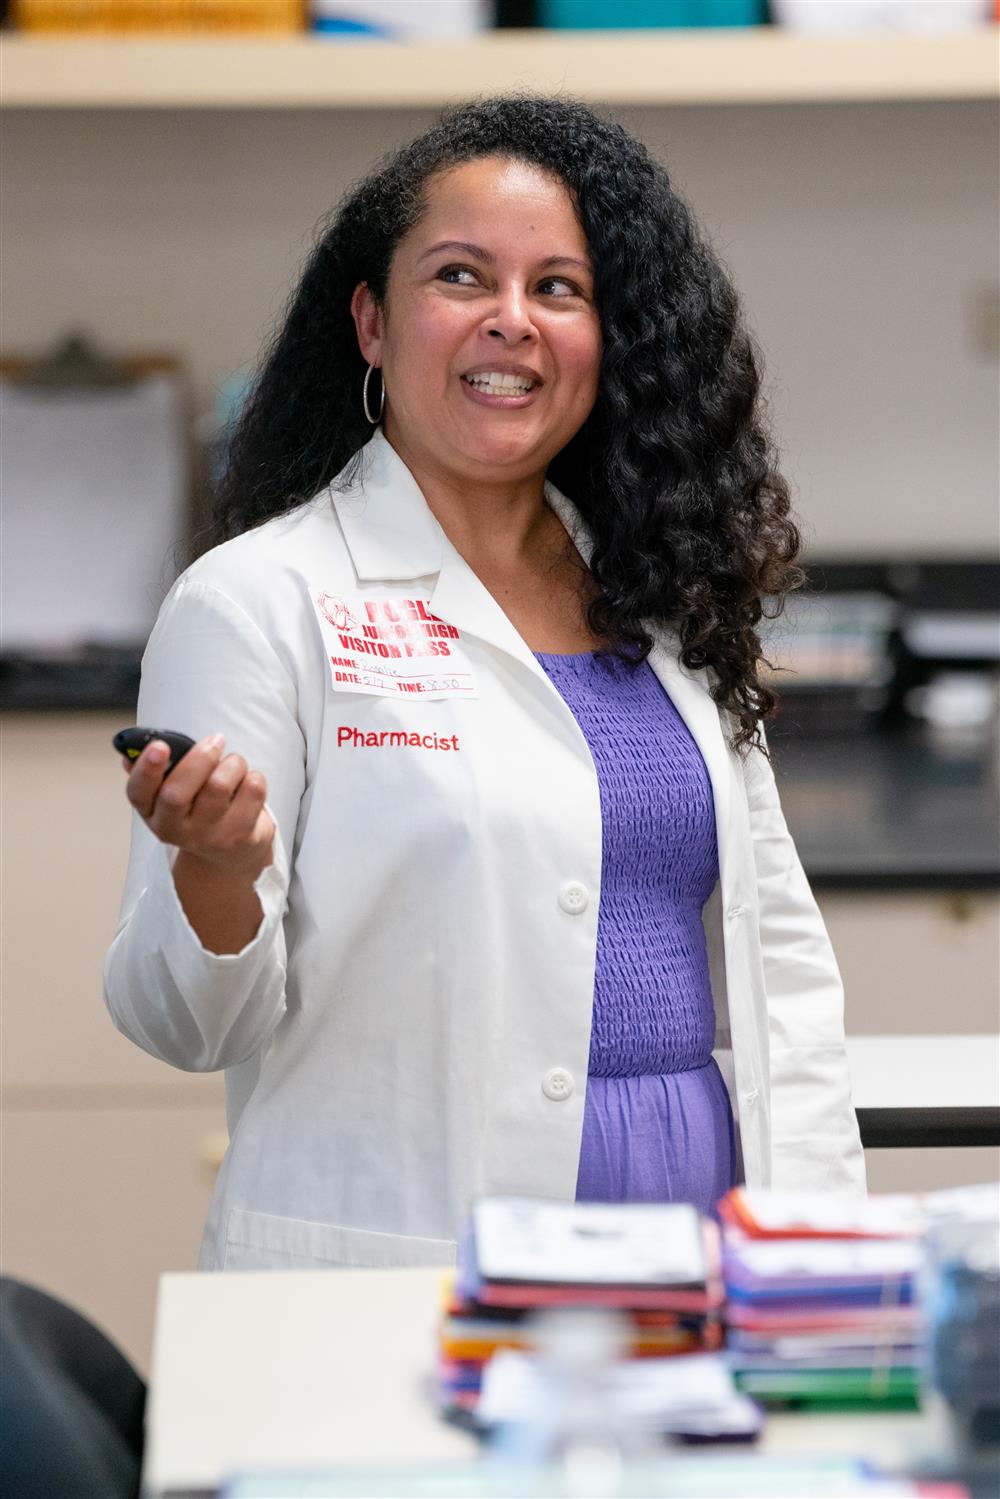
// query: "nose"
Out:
[509,319]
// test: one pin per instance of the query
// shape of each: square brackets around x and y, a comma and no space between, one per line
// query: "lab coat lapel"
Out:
[461,599]
[390,530]
[688,690]
[393,535]
[690,695]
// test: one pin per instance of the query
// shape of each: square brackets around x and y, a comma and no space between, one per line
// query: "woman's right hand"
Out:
[211,806]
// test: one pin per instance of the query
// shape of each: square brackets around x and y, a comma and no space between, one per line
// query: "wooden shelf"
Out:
[762,65]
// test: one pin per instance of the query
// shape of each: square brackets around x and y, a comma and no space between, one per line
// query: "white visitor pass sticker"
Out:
[391,646]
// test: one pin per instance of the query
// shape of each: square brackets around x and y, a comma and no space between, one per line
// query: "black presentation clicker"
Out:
[132,742]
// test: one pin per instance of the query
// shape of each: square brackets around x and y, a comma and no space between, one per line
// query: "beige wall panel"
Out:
[65,846]
[917,963]
[98,1203]
[919,1170]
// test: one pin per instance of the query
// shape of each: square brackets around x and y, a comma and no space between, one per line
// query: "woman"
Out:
[496,840]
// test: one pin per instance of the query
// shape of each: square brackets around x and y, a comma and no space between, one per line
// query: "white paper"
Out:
[94,497]
[976,1204]
[659,1393]
[893,1214]
[828,1259]
[589,1243]
[828,1212]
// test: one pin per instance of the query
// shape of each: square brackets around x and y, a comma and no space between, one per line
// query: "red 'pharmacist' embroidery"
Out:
[394,739]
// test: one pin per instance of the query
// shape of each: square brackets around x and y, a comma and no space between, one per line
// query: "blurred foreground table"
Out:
[316,1368]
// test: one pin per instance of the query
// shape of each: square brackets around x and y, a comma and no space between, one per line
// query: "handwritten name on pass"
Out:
[391,647]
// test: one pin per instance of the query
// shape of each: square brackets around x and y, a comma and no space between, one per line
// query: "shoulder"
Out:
[266,574]
[250,567]
[254,591]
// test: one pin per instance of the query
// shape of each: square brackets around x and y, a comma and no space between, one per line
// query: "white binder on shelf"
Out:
[95,490]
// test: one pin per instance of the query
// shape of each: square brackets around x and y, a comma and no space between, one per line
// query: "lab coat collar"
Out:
[393,535]
[391,532]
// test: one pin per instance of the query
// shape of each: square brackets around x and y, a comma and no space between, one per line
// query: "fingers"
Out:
[234,832]
[219,789]
[145,776]
[226,810]
[211,804]
[247,823]
[147,789]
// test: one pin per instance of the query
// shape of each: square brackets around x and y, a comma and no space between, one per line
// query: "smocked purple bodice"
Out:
[657,1121]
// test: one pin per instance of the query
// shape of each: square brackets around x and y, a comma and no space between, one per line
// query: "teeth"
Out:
[497,381]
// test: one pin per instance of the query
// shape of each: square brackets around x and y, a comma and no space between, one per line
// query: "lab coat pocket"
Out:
[264,1241]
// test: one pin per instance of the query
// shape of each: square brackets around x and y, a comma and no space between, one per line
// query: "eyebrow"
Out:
[478,253]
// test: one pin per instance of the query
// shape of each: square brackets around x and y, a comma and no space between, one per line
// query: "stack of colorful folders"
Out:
[657,1264]
[821,1308]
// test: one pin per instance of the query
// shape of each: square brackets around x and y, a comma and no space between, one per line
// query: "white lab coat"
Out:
[410,1026]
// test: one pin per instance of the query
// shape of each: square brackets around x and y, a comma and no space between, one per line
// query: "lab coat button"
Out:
[574,897]
[557,1084]
[751,1097]
[735,911]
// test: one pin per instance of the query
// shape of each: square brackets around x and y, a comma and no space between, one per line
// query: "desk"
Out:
[279,1367]
[927,1090]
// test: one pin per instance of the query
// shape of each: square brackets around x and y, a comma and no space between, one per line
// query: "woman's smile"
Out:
[505,392]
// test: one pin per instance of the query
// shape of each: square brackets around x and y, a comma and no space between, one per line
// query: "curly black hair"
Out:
[673,470]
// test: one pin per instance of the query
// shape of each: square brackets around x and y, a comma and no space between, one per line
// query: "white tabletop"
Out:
[323,1367]
[304,1367]
[925,1072]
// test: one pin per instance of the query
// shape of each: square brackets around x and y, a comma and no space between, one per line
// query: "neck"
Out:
[485,517]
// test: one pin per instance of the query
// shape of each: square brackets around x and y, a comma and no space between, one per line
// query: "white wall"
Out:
[863,238]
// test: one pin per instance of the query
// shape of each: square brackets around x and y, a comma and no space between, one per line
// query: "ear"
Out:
[368,322]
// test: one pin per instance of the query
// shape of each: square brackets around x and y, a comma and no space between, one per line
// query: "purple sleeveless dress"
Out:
[658,1126]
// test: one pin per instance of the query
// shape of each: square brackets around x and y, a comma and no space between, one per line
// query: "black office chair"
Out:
[71,1404]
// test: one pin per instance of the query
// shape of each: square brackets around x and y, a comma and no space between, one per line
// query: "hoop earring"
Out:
[364,397]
